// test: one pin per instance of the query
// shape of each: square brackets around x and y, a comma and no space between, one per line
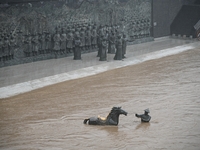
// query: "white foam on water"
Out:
[19,88]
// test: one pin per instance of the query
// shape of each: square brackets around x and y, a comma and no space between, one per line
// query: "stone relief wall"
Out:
[29,31]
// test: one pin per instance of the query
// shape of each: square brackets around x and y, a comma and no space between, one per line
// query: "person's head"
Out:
[146,111]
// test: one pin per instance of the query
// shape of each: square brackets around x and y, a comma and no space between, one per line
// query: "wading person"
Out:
[144,117]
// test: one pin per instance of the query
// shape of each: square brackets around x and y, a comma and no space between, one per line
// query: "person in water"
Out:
[144,117]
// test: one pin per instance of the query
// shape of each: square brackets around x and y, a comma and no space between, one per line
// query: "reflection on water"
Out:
[143,126]
[52,117]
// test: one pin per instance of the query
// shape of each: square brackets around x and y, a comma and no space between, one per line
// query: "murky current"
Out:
[51,118]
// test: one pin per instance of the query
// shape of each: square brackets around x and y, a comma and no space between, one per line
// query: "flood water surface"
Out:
[51,118]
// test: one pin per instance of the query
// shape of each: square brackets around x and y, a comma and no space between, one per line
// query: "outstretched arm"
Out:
[139,116]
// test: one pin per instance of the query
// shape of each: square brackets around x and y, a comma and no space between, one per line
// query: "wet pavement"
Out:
[31,76]
[52,117]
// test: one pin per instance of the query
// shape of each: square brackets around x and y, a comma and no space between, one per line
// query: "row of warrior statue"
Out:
[7,47]
[76,40]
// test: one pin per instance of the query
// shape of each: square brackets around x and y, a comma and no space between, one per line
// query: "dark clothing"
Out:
[124,47]
[77,51]
[111,46]
[144,117]
[103,54]
[99,46]
[118,54]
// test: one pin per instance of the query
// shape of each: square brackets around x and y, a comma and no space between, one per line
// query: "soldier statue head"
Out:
[146,111]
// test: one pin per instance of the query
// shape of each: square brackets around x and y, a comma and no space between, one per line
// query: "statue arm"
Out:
[139,116]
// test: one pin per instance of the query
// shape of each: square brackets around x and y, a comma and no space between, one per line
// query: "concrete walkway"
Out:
[26,77]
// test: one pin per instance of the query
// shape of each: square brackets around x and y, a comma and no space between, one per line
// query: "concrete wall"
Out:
[163,13]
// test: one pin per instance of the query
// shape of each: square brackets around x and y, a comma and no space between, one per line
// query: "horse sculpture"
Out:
[111,119]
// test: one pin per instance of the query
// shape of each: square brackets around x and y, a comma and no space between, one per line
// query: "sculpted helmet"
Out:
[147,110]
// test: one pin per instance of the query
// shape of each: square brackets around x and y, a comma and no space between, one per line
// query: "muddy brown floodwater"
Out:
[51,118]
